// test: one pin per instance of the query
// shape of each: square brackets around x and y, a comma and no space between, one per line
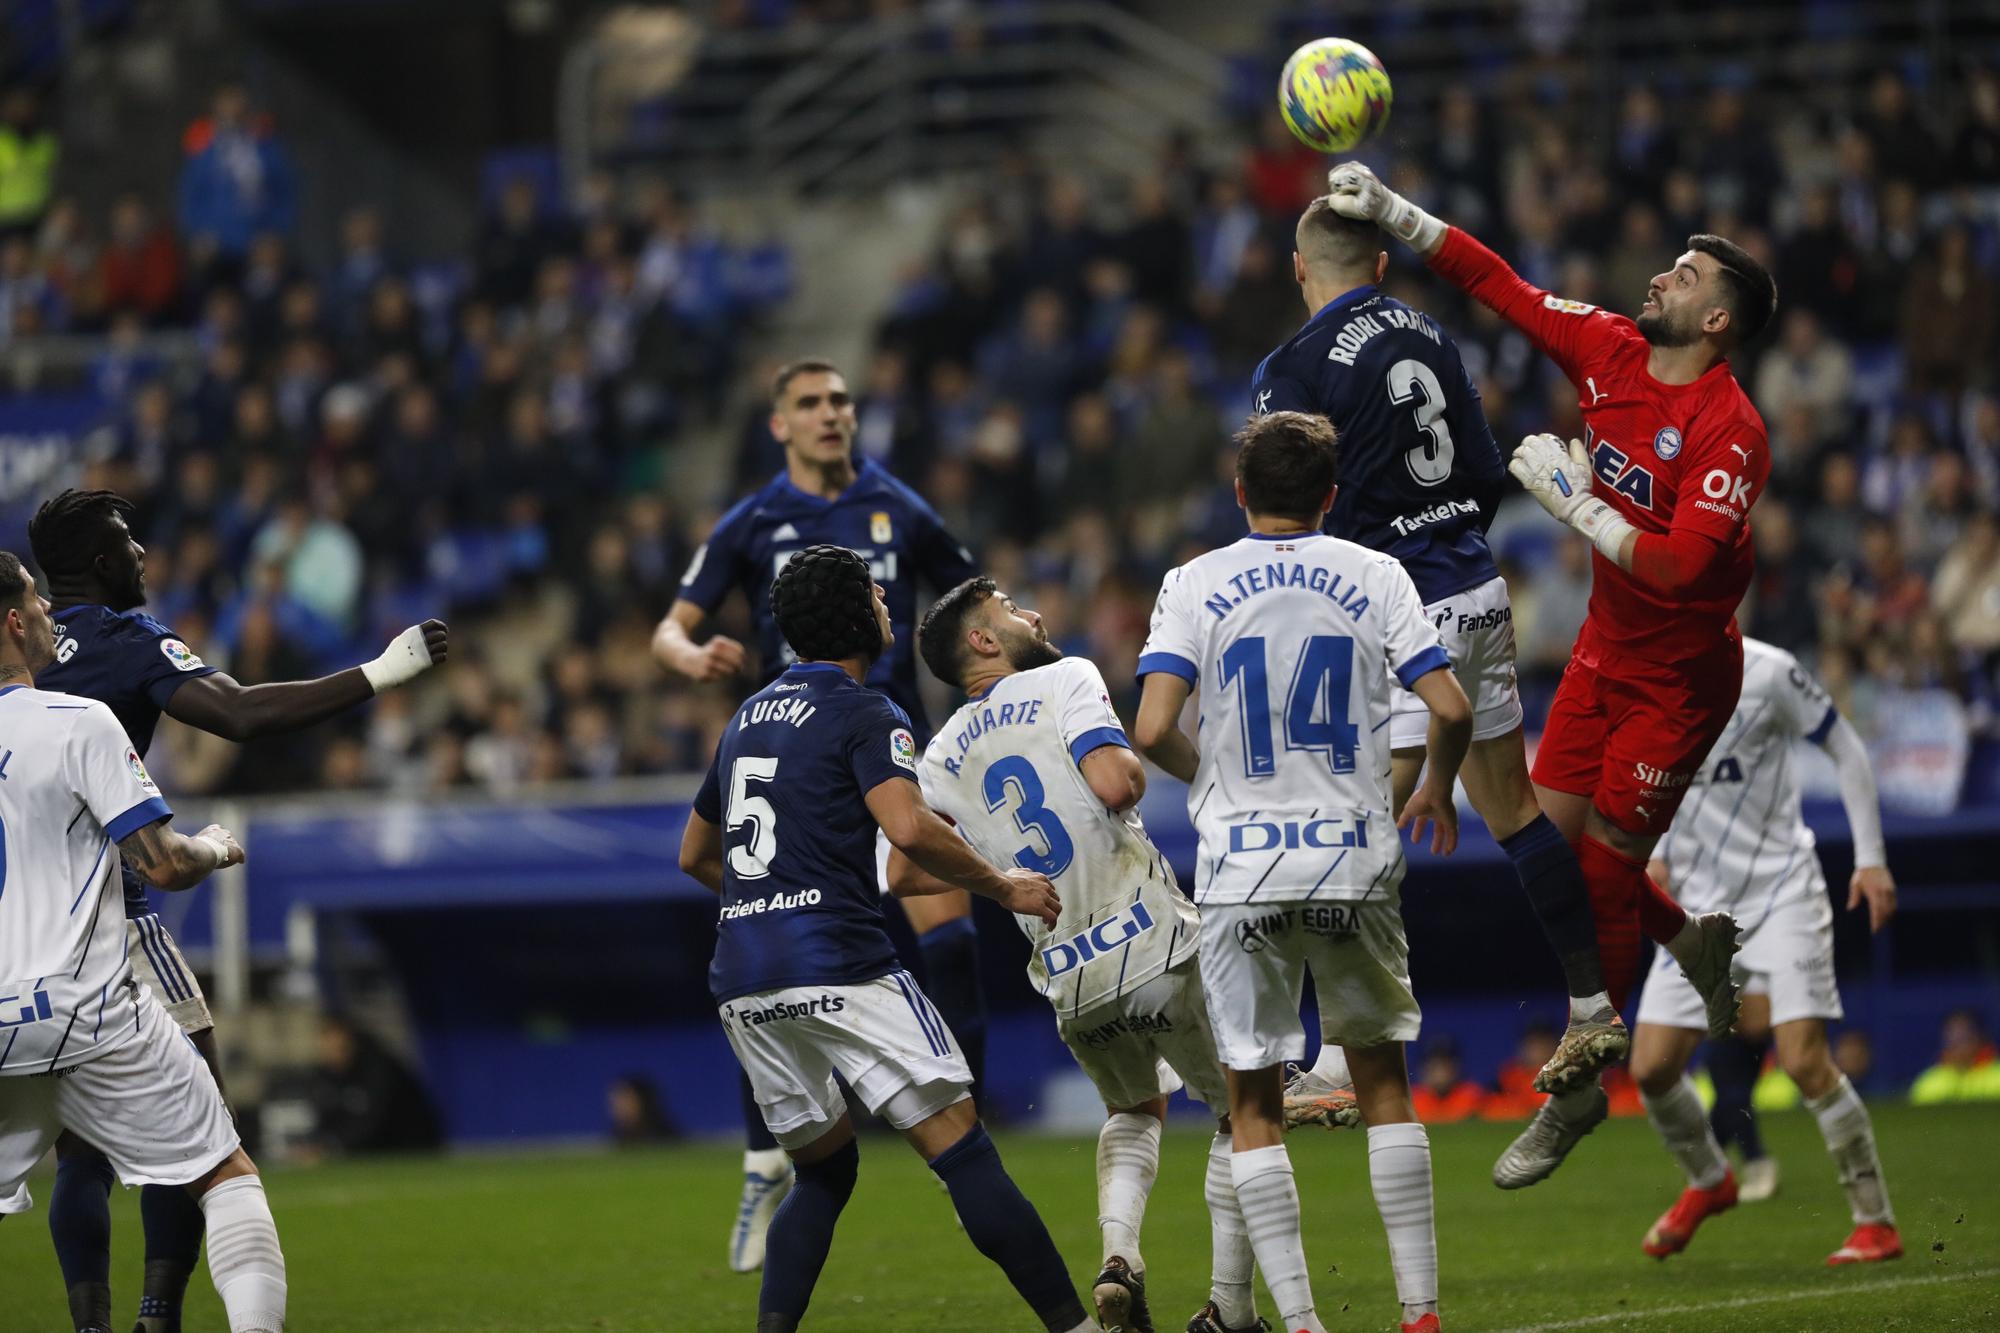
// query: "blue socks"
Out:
[951,980]
[1006,1228]
[174,1226]
[1550,876]
[801,1234]
[80,1225]
[1734,1065]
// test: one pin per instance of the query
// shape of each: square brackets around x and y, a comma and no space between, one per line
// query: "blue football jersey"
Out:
[1419,472]
[899,535]
[130,662]
[800,903]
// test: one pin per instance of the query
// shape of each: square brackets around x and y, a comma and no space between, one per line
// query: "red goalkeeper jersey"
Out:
[1687,460]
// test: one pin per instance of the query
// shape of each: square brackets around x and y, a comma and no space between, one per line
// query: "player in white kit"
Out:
[1291,637]
[83,1047]
[1739,844]
[1036,771]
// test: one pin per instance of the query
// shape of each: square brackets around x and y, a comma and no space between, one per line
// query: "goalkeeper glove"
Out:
[1354,192]
[408,656]
[1559,479]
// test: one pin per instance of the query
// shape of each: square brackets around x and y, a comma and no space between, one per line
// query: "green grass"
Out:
[635,1242]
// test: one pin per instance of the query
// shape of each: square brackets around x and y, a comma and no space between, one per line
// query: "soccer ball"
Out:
[1334,94]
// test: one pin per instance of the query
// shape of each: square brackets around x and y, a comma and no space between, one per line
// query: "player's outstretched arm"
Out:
[1450,736]
[1871,882]
[1116,777]
[167,860]
[923,836]
[223,706]
[676,650]
[701,852]
[1157,728]
[1357,193]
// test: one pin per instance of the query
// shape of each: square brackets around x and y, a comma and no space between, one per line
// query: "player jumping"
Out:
[1420,480]
[1675,457]
[1741,845]
[805,978]
[109,650]
[87,1049]
[828,494]
[1291,637]
[1036,772]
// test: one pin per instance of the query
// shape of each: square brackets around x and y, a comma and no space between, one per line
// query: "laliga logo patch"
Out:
[903,748]
[878,528]
[138,767]
[1667,444]
[180,655]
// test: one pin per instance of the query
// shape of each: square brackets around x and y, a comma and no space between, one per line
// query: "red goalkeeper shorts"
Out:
[1631,734]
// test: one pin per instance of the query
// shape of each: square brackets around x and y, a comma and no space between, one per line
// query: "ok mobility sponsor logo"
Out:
[1117,929]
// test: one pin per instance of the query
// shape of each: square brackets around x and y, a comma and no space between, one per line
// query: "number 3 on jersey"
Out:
[1415,382]
[1015,778]
[1316,709]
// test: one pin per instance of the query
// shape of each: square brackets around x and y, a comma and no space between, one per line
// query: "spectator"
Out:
[1947,319]
[1808,370]
[28,155]
[638,1117]
[1517,1098]
[1965,594]
[236,184]
[1966,1070]
[1442,1093]
[139,269]
[365,1099]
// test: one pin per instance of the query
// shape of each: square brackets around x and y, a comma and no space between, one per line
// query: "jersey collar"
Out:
[867,476]
[1365,292]
[9,689]
[1281,536]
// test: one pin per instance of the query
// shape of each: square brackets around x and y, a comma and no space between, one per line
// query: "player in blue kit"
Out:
[805,978]
[109,650]
[827,494]
[1420,477]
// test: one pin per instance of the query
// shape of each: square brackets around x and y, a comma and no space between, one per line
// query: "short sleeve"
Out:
[1085,718]
[1272,392]
[1800,704]
[1171,646]
[1409,638]
[713,569]
[880,745]
[1726,468]
[157,659]
[108,776]
[708,800]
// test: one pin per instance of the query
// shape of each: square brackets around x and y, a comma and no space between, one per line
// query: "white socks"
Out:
[1584,1007]
[1128,1161]
[1332,1065]
[1270,1203]
[1683,1126]
[769,1163]
[243,1255]
[1399,1167]
[1233,1263]
[1850,1141]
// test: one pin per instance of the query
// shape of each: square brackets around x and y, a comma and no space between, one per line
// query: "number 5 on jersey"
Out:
[752,859]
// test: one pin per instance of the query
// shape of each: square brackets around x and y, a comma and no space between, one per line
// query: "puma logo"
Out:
[1741,450]
[1590,382]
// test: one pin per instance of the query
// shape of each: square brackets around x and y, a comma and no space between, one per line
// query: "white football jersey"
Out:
[1739,843]
[71,786]
[1290,644]
[1006,768]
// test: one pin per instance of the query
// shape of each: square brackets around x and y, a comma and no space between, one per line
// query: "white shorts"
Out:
[1477,627]
[1788,956]
[1150,1041]
[159,967]
[882,1036]
[149,1104]
[1253,962]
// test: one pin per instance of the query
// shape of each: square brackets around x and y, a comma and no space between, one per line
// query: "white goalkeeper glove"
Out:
[1355,192]
[1559,479]
[408,656]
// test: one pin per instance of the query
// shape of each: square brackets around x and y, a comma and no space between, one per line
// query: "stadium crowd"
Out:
[495,436]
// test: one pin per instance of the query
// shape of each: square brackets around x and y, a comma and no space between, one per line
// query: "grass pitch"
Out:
[635,1242]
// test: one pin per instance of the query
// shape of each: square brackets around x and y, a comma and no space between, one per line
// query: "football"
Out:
[1334,94]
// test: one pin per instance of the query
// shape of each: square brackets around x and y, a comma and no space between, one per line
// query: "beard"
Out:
[1657,328]
[1028,653]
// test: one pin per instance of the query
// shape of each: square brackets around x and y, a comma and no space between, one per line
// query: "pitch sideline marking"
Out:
[1745,1302]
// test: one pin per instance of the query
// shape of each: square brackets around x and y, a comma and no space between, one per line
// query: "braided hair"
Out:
[824,602]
